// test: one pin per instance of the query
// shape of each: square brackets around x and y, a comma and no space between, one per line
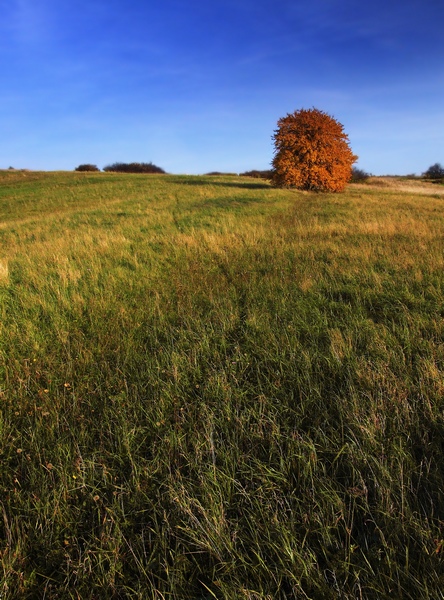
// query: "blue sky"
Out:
[196,86]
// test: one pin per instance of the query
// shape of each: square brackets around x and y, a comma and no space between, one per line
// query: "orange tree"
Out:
[312,152]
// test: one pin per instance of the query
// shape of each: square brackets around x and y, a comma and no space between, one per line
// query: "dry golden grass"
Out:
[405,185]
[4,270]
[211,388]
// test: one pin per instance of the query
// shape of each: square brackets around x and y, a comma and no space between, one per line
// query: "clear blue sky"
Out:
[198,85]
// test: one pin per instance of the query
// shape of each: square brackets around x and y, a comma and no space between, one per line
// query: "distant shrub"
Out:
[436,171]
[133,168]
[359,175]
[87,168]
[258,174]
[215,173]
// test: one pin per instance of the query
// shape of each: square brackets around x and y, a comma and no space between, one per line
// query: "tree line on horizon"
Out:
[120,167]
[312,152]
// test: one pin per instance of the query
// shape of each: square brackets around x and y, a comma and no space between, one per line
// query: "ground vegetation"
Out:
[213,389]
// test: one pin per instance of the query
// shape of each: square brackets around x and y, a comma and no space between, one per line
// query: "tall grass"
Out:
[210,388]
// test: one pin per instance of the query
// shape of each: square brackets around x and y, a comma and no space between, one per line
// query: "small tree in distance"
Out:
[358,175]
[312,152]
[133,168]
[87,167]
[436,171]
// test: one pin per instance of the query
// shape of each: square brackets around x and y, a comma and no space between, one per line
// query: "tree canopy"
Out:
[312,152]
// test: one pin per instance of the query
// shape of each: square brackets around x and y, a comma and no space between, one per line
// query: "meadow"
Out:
[211,388]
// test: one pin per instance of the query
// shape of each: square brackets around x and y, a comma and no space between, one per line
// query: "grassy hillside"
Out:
[210,388]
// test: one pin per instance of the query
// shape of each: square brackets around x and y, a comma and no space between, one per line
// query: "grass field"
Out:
[210,388]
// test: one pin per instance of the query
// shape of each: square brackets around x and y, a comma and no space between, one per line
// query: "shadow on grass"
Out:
[225,202]
[247,185]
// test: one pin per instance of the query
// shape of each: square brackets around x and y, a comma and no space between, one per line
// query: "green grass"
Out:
[210,388]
